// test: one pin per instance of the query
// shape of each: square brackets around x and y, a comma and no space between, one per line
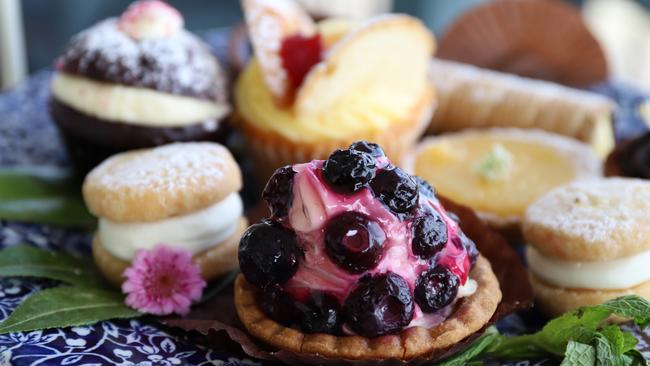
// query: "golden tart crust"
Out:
[469,316]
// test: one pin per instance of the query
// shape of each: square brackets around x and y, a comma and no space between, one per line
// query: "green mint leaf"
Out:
[474,350]
[632,307]
[605,353]
[579,354]
[29,261]
[515,348]
[637,359]
[581,325]
[66,306]
[620,341]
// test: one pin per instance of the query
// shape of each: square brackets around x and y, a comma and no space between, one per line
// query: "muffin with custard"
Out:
[140,80]
[312,88]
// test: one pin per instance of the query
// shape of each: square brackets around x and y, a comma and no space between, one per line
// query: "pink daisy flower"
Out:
[162,281]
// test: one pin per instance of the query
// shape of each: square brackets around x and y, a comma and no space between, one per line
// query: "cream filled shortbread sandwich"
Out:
[182,195]
[589,242]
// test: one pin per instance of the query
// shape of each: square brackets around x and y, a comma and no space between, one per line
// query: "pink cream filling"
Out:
[314,203]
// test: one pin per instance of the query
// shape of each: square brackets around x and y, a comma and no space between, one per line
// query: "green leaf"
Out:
[605,353]
[65,307]
[216,287]
[637,359]
[583,326]
[36,181]
[620,341]
[27,261]
[42,195]
[632,307]
[475,349]
[579,354]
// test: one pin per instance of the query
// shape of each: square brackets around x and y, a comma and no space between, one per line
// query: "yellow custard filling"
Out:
[458,170]
[354,115]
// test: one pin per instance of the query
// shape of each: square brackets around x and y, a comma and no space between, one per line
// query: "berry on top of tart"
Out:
[631,158]
[138,80]
[356,247]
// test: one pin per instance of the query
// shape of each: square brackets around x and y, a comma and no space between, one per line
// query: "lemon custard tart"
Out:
[499,172]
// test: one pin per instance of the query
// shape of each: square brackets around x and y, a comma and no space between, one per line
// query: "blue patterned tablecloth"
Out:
[27,136]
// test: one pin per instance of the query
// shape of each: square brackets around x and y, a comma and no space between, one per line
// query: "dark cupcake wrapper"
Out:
[90,140]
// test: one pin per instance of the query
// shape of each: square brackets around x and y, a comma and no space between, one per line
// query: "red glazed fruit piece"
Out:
[299,54]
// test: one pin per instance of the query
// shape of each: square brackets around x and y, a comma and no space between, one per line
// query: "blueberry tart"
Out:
[360,261]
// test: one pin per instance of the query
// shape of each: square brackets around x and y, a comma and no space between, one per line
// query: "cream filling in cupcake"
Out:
[133,105]
[195,232]
[604,275]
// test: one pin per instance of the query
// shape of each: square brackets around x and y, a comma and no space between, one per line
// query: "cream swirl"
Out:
[614,274]
[195,232]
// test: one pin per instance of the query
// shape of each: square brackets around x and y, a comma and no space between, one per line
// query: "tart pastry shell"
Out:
[469,316]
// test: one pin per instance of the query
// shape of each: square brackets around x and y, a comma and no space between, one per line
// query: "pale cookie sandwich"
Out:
[183,195]
[589,242]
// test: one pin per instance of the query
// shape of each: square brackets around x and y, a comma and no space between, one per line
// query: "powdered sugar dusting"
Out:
[599,212]
[179,64]
[170,167]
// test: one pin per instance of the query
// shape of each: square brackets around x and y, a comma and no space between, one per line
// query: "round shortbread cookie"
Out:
[153,184]
[557,300]
[591,220]
[214,262]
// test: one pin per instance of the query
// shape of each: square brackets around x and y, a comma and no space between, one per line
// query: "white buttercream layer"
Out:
[614,274]
[133,105]
[195,232]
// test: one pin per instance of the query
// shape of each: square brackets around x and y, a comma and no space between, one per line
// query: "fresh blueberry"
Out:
[435,289]
[396,189]
[429,235]
[368,147]
[278,192]
[354,242]
[278,305]
[424,187]
[321,314]
[268,253]
[379,305]
[470,247]
[349,170]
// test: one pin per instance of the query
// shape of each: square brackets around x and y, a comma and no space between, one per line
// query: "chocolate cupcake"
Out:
[136,81]
[630,158]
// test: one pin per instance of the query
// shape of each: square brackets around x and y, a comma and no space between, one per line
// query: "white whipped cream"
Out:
[195,232]
[604,275]
[133,105]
